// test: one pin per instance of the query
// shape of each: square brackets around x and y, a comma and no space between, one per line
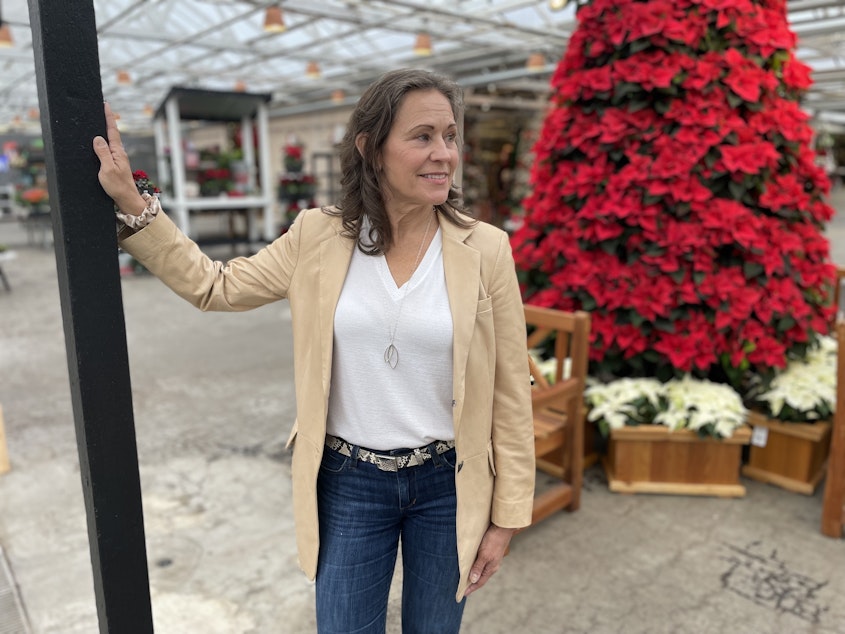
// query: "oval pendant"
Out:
[391,356]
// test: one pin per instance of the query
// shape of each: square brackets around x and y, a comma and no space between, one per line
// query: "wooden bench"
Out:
[833,505]
[558,405]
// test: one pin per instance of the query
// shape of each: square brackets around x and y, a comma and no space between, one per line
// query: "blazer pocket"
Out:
[484,305]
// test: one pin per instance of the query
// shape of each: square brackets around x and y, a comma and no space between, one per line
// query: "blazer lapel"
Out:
[335,256]
[462,265]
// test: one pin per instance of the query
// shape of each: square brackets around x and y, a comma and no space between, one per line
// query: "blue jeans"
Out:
[363,512]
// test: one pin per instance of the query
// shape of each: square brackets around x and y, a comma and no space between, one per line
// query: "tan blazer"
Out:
[492,401]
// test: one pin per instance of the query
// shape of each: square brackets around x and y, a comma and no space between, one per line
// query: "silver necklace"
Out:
[391,353]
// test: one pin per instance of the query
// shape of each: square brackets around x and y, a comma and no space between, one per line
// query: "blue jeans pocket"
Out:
[450,457]
[333,462]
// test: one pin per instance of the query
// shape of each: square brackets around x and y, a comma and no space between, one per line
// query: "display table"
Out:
[194,104]
[248,206]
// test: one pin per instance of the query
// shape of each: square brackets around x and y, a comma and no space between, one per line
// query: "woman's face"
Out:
[420,154]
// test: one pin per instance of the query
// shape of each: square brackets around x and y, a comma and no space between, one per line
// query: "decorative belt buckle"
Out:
[387,463]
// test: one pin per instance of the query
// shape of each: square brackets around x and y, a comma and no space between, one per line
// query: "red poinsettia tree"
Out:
[675,194]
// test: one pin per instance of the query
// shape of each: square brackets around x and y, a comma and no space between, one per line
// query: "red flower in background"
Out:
[749,158]
[796,74]
[143,183]
[34,195]
[745,78]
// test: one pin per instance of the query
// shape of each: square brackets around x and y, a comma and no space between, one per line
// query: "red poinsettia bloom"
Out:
[689,28]
[293,152]
[796,74]
[749,158]
[745,78]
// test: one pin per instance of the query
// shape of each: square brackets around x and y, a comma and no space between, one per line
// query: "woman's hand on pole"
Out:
[115,172]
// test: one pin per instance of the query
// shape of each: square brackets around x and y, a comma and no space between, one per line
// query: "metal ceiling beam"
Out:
[813,5]
[429,9]
[815,28]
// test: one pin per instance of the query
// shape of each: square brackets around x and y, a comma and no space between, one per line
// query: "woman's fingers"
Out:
[101,149]
[110,152]
[115,173]
[111,129]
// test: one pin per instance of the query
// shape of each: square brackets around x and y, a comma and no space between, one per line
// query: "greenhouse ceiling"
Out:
[148,46]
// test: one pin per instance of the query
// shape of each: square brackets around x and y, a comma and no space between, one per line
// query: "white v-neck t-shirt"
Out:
[371,404]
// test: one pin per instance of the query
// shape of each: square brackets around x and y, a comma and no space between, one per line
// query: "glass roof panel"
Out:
[218,43]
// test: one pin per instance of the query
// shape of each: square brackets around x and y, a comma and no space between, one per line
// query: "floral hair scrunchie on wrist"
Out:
[146,217]
[149,192]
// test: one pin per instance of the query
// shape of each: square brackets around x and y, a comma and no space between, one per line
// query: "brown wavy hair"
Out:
[361,191]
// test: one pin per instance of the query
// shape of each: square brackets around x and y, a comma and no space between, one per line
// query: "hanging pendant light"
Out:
[338,96]
[274,21]
[123,78]
[240,86]
[422,45]
[535,63]
[558,5]
[312,70]
[6,40]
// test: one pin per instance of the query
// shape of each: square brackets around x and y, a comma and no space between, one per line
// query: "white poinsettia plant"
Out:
[708,408]
[805,391]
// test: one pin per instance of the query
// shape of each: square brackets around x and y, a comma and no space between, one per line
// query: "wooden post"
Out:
[833,504]
[64,40]
[4,452]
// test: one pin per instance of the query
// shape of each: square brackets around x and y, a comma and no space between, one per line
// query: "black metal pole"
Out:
[71,100]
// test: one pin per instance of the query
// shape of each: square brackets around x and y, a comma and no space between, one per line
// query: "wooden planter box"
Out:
[789,455]
[654,459]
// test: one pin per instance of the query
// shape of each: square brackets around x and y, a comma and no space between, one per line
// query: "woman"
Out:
[412,386]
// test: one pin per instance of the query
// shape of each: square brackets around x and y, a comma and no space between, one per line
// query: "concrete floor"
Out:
[213,402]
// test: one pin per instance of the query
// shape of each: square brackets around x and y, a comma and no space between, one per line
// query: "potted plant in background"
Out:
[292,159]
[683,436]
[35,199]
[216,176]
[791,416]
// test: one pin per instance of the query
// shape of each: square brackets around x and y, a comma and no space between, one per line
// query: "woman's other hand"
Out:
[492,550]
[115,173]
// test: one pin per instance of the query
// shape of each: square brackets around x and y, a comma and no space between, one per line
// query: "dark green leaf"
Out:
[752,269]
